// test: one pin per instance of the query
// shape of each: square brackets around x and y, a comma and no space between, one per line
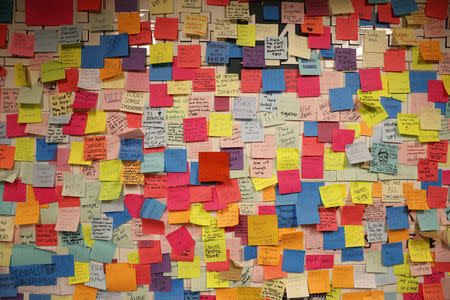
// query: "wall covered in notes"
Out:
[217,149]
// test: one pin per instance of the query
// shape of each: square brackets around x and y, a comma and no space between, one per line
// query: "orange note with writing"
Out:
[7,157]
[112,68]
[342,277]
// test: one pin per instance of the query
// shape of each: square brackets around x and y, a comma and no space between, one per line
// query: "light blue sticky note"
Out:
[39,297]
[175,160]
[28,254]
[392,254]
[152,209]
[428,219]
[8,285]
[391,106]
[153,162]
[352,254]
[119,217]
[250,252]
[45,151]
[285,199]
[341,99]
[217,53]
[160,72]
[273,80]
[103,251]
[397,217]
[293,261]
[310,128]
[307,211]
[235,51]
[327,53]
[80,253]
[310,66]
[252,131]
[390,295]
[352,81]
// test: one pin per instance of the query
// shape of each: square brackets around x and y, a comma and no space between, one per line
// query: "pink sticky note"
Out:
[308,86]
[266,210]
[14,129]
[342,137]
[289,181]
[325,131]
[85,100]
[178,179]
[370,79]
[137,81]
[180,240]
[159,96]
[312,167]
[15,191]
[68,219]
[320,41]
[181,74]
[214,204]
[178,198]
[436,91]
[134,202]
[314,262]
[221,103]
[195,129]
[61,159]
[45,195]
[446,177]
[77,124]
[22,44]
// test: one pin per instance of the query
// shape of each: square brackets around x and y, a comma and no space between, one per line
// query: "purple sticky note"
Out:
[325,130]
[236,156]
[126,5]
[160,283]
[163,266]
[345,59]
[253,57]
[136,60]
[18,297]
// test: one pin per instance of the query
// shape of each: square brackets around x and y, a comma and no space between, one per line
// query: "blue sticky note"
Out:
[273,80]
[250,252]
[80,253]
[131,149]
[352,254]
[235,51]
[271,12]
[217,53]
[8,286]
[397,217]
[287,216]
[36,274]
[333,240]
[160,72]
[39,297]
[442,106]
[64,265]
[341,99]
[447,110]
[103,251]
[176,291]
[175,160]
[307,211]
[392,254]
[190,295]
[310,66]
[352,81]
[293,261]
[428,219]
[403,7]
[119,217]
[45,151]
[418,80]
[310,192]
[115,45]
[285,199]
[152,209]
[392,106]
[327,53]
[365,23]
[92,57]
[153,162]
[425,184]
[310,128]
[6,10]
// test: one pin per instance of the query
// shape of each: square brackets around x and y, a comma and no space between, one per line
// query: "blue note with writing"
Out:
[36,275]
[190,295]
[391,106]
[176,292]
[327,53]
[217,53]
[175,160]
[392,254]
[39,297]
[115,45]
[45,151]
[64,265]
[131,149]
[287,216]
[352,254]
[152,209]
[7,286]
[333,240]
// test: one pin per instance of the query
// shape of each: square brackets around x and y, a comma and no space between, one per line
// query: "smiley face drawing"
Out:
[383,156]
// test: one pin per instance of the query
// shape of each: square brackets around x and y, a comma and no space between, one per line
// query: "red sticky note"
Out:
[328,219]
[312,167]
[290,79]
[427,170]
[204,81]
[446,177]
[43,12]
[45,195]
[394,60]
[166,29]
[437,92]
[155,186]
[363,9]
[221,103]
[178,179]
[15,191]
[150,255]
[150,226]
[187,255]
[143,274]
[200,193]
[77,124]
[370,79]
[181,73]
[159,96]
[14,129]
[178,198]
[289,181]
[437,197]
[144,37]
[251,81]
[219,266]
[195,129]
[134,202]
[266,210]
[213,166]
[66,201]
[325,131]
[316,8]
[134,120]
[320,41]
[347,28]
[386,15]
[218,2]
[342,137]
[228,191]
[70,83]
[437,151]
[180,239]
[352,214]
[311,146]
[214,204]
[3,34]
[308,86]
[89,5]
[318,261]
[22,45]
[85,100]
[436,9]
[189,56]
[46,235]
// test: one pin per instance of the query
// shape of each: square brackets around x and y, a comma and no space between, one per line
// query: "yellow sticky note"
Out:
[246,35]
[361,192]
[195,24]
[61,104]
[213,281]
[24,149]
[356,127]
[408,124]
[427,136]
[403,269]
[70,55]
[189,269]
[354,236]
[287,159]
[199,216]
[215,250]
[96,122]
[331,195]
[227,85]
[220,124]
[5,254]
[76,154]
[372,115]
[29,113]
[20,75]
[335,294]
[418,63]
[110,190]
[262,230]
[161,53]
[419,250]
[81,273]
[133,257]
[161,7]
[407,284]
[110,170]
[446,81]
[335,160]
[262,183]
[53,70]
[399,82]
[87,229]
[179,87]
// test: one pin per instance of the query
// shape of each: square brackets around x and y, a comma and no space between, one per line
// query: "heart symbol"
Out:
[309,28]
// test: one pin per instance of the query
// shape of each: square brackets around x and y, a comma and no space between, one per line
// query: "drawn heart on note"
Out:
[309,28]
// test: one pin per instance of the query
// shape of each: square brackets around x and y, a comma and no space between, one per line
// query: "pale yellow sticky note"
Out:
[61,104]
[334,160]
[5,254]
[213,281]
[161,7]
[110,170]
[70,55]
[428,136]
[361,192]
[399,82]
[331,195]
[220,124]
[199,216]
[408,124]
[246,35]
[24,149]
[6,228]
[287,159]
[372,115]
[430,119]
[262,183]
[189,269]
[298,46]
[161,53]
[354,236]
[76,154]
[195,24]
[407,284]
[179,87]
[81,273]
[224,28]
[110,190]
[419,250]
[356,127]
[227,85]
[96,122]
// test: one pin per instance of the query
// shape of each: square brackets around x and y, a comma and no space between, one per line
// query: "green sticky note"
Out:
[103,251]
[53,70]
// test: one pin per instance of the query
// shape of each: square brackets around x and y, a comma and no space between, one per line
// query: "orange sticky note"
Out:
[430,50]
[27,212]
[120,277]
[377,191]
[269,255]
[273,272]
[282,231]
[342,277]
[312,25]
[293,240]
[365,130]
[129,22]
[7,157]
[179,217]
[228,216]
[226,294]
[269,194]
[84,292]
[112,68]
[398,235]
[319,281]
